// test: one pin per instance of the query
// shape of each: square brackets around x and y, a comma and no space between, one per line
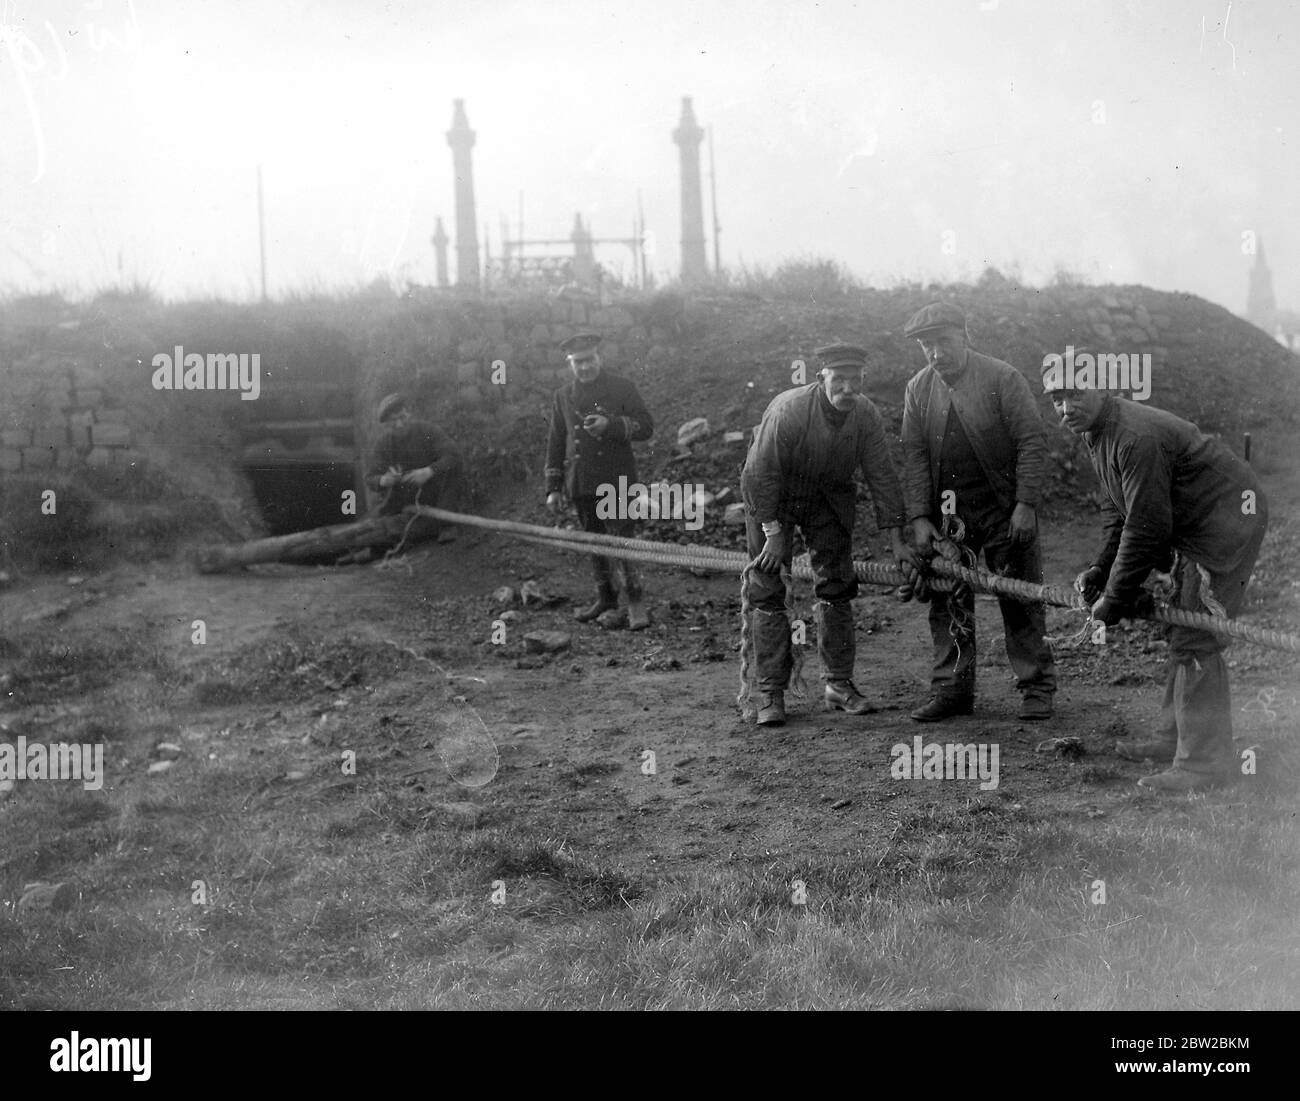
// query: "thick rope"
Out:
[743,697]
[875,573]
[798,685]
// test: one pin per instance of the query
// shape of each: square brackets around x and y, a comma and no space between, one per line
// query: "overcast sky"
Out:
[1124,141]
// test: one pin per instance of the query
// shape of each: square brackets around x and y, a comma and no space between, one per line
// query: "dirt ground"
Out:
[392,810]
[562,747]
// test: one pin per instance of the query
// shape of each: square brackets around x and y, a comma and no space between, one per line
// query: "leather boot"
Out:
[606,598]
[939,708]
[1178,781]
[771,709]
[1035,708]
[638,616]
[843,695]
[1158,748]
[611,619]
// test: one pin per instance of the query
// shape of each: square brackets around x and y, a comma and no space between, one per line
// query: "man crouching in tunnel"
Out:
[415,462]
[1168,487]
[799,473]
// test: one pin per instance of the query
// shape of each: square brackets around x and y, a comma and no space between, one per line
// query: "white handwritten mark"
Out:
[1227,15]
[26,58]
[1265,701]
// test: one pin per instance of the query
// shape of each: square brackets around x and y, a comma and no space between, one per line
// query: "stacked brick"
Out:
[60,416]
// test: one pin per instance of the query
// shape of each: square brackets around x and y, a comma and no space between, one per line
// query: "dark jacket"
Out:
[995,406]
[418,444]
[578,462]
[1168,487]
[800,459]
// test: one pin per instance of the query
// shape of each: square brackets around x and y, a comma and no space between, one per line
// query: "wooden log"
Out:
[316,543]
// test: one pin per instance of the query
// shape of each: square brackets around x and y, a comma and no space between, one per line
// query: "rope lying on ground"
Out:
[875,573]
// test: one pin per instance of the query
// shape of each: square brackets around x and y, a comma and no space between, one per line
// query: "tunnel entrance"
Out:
[304,495]
[300,446]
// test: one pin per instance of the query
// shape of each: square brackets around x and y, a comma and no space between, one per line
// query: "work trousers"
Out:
[830,547]
[602,565]
[952,619]
[445,490]
[1197,705]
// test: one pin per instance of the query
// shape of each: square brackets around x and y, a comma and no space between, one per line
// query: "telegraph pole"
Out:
[261,230]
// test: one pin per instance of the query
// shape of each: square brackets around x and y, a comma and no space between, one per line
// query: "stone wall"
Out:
[487,368]
[465,339]
[75,380]
[65,410]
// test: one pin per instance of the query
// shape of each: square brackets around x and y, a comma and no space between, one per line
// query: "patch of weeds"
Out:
[55,667]
[296,665]
[116,960]
[590,886]
[1098,774]
[579,774]
[212,692]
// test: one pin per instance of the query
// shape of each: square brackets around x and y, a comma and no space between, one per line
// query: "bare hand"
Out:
[916,587]
[595,425]
[555,502]
[1090,583]
[908,559]
[1024,525]
[418,476]
[925,535]
[391,478]
[773,553]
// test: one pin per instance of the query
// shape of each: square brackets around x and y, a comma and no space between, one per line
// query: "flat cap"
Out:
[842,355]
[937,315]
[391,406]
[580,342]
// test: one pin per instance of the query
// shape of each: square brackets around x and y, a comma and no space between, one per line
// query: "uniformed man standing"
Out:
[594,421]
[974,447]
[1168,488]
[799,473]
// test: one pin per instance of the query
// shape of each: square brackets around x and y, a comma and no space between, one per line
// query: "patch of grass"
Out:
[87,959]
[31,538]
[365,899]
[578,775]
[807,279]
[56,664]
[294,666]
[505,856]
[215,692]
[1088,775]
[101,515]
[1030,939]
[957,909]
